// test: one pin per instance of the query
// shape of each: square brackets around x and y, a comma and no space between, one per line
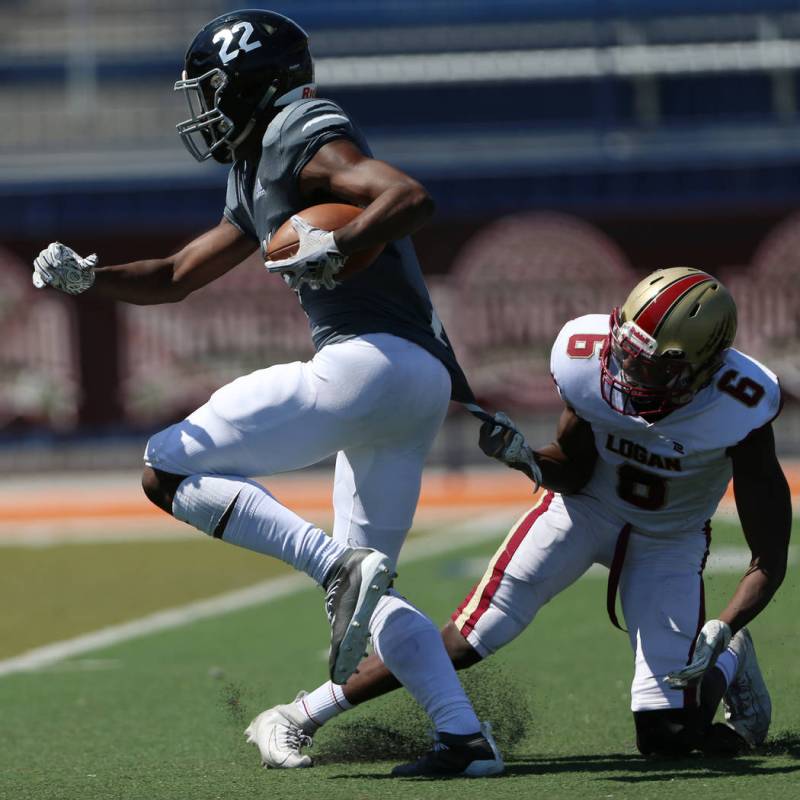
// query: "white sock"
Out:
[412,648]
[727,664]
[257,522]
[324,703]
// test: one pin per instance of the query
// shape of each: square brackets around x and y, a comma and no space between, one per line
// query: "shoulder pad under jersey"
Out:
[575,363]
[237,203]
[295,135]
[745,395]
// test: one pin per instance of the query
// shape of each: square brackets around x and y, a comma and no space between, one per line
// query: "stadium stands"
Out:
[508,110]
[638,102]
[38,354]
[512,286]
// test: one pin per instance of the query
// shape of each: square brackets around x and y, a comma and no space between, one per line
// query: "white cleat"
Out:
[280,733]
[747,704]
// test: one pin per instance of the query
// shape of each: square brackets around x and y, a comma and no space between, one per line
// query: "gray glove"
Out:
[713,638]
[500,439]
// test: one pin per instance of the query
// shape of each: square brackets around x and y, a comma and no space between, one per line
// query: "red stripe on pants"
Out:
[500,567]
[614,573]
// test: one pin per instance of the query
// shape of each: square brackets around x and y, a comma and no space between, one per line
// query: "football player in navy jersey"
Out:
[374,394]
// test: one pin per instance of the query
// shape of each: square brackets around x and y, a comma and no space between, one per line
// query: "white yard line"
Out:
[477,530]
[723,560]
[482,528]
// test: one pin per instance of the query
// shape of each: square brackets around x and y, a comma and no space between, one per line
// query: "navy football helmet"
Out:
[239,69]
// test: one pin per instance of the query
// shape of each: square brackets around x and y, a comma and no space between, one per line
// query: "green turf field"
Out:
[162,716]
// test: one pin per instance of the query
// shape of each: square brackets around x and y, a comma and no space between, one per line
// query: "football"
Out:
[329,217]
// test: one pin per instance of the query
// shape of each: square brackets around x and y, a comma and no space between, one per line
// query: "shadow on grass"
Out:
[633,768]
[637,769]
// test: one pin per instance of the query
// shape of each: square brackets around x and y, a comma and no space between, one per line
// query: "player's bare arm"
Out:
[763,501]
[395,205]
[567,463]
[170,279]
[151,281]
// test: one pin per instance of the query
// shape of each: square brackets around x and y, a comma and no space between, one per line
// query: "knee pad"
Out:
[667,732]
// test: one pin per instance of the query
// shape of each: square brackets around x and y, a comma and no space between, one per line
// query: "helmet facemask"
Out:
[636,381]
[207,128]
[210,132]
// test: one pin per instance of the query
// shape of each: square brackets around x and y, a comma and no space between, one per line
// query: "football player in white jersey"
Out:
[374,395]
[660,412]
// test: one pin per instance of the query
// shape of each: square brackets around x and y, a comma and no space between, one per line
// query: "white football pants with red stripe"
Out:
[553,544]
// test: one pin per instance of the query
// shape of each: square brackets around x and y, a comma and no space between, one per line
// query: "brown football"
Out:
[329,217]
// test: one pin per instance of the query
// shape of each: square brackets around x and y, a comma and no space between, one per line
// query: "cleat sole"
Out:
[355,639]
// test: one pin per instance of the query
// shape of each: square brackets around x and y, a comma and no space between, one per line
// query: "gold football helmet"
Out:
[667,341]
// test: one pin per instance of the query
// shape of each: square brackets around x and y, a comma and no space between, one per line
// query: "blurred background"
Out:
[571,146]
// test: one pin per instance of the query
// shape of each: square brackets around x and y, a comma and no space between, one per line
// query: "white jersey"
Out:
[666,476]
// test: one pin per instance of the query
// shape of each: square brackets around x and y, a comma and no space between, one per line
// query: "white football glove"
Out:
[62,268]
[317,261]
[712,640]
[500,439]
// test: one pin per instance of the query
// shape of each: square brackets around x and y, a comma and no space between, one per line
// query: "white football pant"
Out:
[552,545]
[376,402]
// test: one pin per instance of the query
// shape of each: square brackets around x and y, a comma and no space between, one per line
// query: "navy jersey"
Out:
[390,296]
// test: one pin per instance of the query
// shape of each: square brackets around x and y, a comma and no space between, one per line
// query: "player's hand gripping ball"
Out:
[304,251]
[317,261]
[62,268]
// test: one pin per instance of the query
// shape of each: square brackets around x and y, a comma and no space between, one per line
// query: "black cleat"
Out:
[474,755]
[352,591]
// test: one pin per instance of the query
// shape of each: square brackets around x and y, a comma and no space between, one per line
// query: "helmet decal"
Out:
[245,43]
[653,314]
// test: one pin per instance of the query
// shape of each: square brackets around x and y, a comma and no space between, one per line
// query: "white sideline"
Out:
[477,530]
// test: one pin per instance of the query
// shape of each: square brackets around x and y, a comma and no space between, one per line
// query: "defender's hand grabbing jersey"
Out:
[668,476]
[388,297]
